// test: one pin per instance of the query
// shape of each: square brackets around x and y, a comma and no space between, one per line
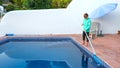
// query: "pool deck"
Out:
[107,47]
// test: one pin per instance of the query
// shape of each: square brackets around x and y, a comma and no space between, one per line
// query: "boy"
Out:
[86,28]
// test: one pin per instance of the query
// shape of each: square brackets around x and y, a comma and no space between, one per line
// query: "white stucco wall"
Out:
[58,21]
[110,24]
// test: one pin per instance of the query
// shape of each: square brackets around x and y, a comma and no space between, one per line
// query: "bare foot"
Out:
[83,43]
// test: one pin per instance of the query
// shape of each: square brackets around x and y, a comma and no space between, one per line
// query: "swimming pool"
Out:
[46,52]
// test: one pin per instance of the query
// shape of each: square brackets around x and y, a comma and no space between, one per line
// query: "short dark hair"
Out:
[86,14]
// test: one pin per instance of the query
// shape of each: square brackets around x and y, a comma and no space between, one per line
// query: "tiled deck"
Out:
[107,47]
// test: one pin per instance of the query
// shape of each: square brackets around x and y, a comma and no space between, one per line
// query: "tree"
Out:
[60,3]
[5,1]
[18,4]
[56,3]
[42,4]
[11,1]
[21,4]
[10,7]
[25,4]
[31,4]
[65,3]
[37,4]
[0,2]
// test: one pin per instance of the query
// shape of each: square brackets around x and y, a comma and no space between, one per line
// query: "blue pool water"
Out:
[39,52]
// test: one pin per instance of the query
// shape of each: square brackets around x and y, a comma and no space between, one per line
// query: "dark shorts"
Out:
[85,37]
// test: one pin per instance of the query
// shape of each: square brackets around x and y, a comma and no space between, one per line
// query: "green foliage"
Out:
[10,7]
[11,1]
[60,3]
[42,4]
[25,4]
[0,2]
[65,3]
[18,3]
[38,4]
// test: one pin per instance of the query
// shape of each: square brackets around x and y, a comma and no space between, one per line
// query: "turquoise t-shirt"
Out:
[87,24]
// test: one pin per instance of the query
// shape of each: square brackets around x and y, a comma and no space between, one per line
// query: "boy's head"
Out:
[85,15]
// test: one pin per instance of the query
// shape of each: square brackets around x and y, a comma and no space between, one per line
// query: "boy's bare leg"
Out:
[87,43]
[83,43]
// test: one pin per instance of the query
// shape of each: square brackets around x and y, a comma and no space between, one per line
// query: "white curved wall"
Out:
[56,21]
